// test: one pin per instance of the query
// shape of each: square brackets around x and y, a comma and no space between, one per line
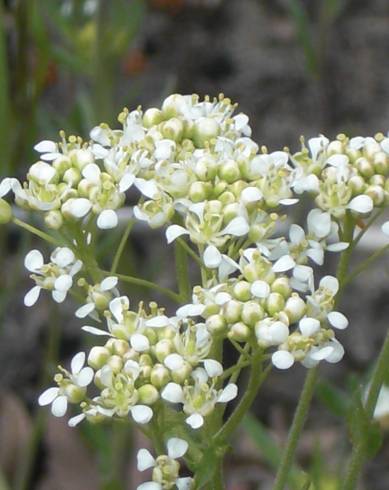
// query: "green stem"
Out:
[358,455]
[121,246]
[182,272]
[217,480]
[255,380]
[147,284]
[295,430]
[36,231]
[190,251]
[366,227]
[347,236]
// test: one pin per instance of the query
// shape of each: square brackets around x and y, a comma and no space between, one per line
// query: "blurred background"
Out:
[296,67]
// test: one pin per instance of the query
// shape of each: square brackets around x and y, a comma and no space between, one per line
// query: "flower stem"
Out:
[182,272]
[296,428]
[36,231]
[147,284]
[363,265]
[358,455]
[255,380]
[121,246]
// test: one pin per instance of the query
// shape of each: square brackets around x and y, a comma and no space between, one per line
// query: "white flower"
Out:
[98,297]
[59,397]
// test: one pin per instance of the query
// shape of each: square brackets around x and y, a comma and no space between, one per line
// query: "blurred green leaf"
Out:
[5,112]
[304,35]
[336,400]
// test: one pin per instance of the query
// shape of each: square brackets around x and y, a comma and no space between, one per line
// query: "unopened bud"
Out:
[281,286]
[5,212]
[115,363]
[215,324]
[252,312]
[162,349]
[181,374]
[204,130]
[229,171]
[159,376]
[232,311]
[239,332]
[148,394]
[54,220]
[75,394]
[275,303]
[241,291]
[173,129]
[98,356]
[152,117]
[295,308]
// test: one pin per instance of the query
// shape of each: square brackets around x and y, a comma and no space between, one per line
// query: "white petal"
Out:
[296,234]
[184,483]
[145,460]
[222,298]
[288,201]
[319,223]
[100,135]
[77,207]
[95,331]
[338,160]
[63,256]
[173,361]
[278,332]
[176,448]
[237,227]
[361,204]
[46,146]
[337,320]
[173,393]
[107,219]
[58,296]
[147,187]
[42,172]
[337,354]
[309,326]
[229,393]
[284,264]
[84,310]
[175,231]
[385,228]
[85,376]
[142,414]
[158,322]
[337,247]
[260,289]
[109,283]
[195,421]
[303,273]
[32,296]
[139,342]
[190,310]
[48,396]
[282,359]
[117,305]
[331,283]
[59,406]
[251,194]
[92,173]
[126,182]
[356,143]
[33,261]
[76,420]
[316,145]
[212,257]
[77,362]
[316,254]
[5,186]
[149,485]
[240,121]
[213,368]
[63,283]
[322,353]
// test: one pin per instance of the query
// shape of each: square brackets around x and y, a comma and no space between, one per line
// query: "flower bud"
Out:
[152,117]
[181,374]
[252,312]
[210,310]
[80,158]
[281,286]
[295,308]
[54,220]
[148,394]
[371,148]
[231,211]
[229,171]
[115,363]
[364,167]
[173,129]
[377,194]
[335,147]
[377,179]
[198,192]
[120,347]
[159,376]
[275,303]
[215,324]
[232,311]
[75,394]
[162,349]
[98,356]
[239,332]
[5,212]
[205,169]
[227,198]
[381,163]
[204,130]
[357,184]
[241,291]
[173,105]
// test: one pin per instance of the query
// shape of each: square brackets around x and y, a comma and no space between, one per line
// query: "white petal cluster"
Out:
[55,276]
[165,467]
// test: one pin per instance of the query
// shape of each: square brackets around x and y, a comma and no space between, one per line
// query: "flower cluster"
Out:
[198,173]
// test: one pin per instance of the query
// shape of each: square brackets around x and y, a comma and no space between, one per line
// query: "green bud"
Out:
[281,286]
[120,347]
[180,375]
[227,198]
[54,220]
[377,194]
[5,212]
[295,308]
[198,192]
[241,291]
[364,167]
[239,332]
[75,394]
[215,324]
[232,311]
[377,179]
[229,171]
[148,394]
[275,303]
[206,169]
[98,356]
[172,105]
[252,312]
[162,349]
[230,212]
[152,117]
[159,376]
[371,148]
[204,130]
[210,310]
[173,129]
[357,184]
[381,163]
[115,363]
